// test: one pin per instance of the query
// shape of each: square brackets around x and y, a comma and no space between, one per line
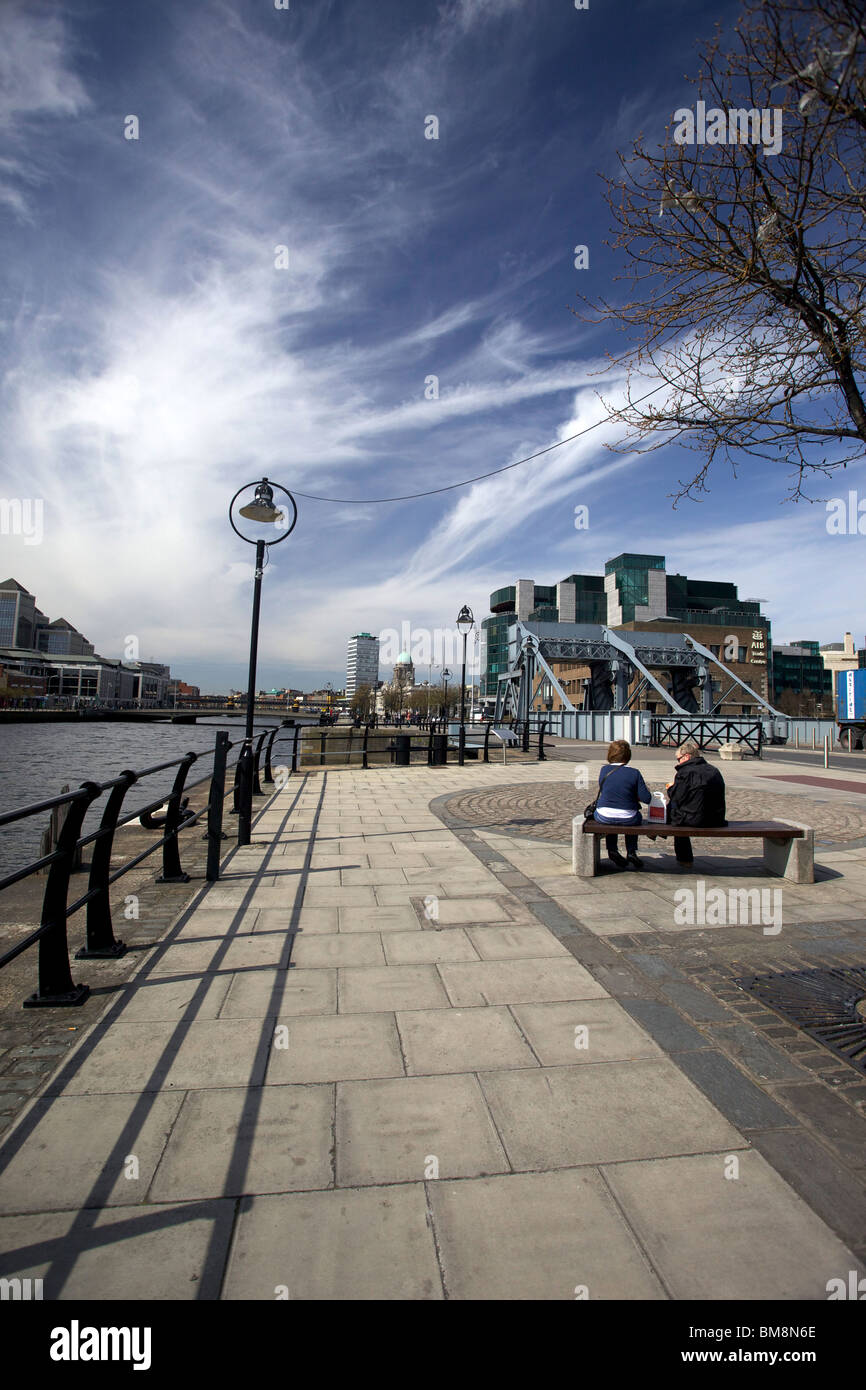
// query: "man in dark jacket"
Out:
[697,797]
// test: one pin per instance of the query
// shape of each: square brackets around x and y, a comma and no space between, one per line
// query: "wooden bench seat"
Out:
[788,847]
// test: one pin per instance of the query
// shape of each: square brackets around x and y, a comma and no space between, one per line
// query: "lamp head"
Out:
[262,508]
[465,620]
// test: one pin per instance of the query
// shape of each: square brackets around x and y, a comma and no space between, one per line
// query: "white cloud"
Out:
[37,83]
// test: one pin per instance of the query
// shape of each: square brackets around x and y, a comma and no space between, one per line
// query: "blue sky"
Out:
[155,357]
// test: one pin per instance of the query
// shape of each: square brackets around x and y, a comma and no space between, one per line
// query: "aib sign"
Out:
[849,695]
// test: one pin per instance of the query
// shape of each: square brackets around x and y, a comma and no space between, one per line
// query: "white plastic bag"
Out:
[658,807]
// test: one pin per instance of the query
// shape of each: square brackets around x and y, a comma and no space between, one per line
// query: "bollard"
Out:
[826,750]
[402,749]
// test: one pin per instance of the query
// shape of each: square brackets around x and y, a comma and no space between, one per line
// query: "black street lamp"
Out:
[445,674]
[261,509]
[465,624]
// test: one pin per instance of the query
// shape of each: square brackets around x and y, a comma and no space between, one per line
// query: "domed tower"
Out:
[404,671]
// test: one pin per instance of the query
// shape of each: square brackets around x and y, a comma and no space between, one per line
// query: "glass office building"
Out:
[634,591]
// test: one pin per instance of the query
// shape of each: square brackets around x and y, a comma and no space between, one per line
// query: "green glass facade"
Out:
[688,602]
[799,667]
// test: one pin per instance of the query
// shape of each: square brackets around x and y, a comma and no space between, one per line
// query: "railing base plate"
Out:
[178,878]
[76,995]
[102,952]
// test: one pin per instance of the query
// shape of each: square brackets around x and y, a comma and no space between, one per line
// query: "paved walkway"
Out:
[367,1064]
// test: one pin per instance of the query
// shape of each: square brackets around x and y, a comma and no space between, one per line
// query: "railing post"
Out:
[526,735]
[542,758]
[430,746]
[296,732]
[269,774]
[243,791]
[257,786]
[101,941]
[171,866]
[364,762]
[215,832]
[487,741]
[56,989]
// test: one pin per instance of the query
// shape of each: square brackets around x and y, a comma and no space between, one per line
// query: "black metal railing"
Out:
[668,731]
[524,728]
[56,987]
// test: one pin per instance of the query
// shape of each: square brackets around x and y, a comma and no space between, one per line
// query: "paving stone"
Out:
[308,921]
[388,1131]
[203,957]
[315,896]
[665,1025]
[335,1047]
[156,999]
[715,1238]
[428,947]
[381,919]
[217,922]
[623,983]
[82,1143]
[537,1236]
[566,1116]
[262,1139]
[267,993]
[514,943]
[473,910]
[836,1195]
[762,1059]
[830,1115]
[362,948]
[655,966]
[697,1003]
[154,1056]
[374,1243]
[387,988]
[588,1030]
[461,1040]
[744,1103]
[138,1254]
[517,981]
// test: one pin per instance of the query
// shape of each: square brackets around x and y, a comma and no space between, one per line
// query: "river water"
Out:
[37,760]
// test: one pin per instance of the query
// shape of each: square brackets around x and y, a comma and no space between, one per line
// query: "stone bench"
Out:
[789,848]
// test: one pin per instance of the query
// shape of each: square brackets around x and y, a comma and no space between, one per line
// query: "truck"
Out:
[851,708]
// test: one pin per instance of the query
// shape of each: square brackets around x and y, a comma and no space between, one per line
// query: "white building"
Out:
[362,666]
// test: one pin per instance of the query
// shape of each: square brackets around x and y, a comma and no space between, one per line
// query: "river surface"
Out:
[38,760]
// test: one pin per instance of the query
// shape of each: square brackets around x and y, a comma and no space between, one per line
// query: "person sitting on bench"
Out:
[697,797]
[620,790]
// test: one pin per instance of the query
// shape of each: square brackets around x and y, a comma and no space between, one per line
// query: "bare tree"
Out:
[746,251]
[360,701]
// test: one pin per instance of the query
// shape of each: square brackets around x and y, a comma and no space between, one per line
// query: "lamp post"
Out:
[465,624]
[445,674]
[330,689]
[262,510]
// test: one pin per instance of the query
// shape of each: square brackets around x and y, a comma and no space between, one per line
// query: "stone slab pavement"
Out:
[369,1064]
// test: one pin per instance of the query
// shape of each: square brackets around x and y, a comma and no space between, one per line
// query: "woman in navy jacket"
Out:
[620,790]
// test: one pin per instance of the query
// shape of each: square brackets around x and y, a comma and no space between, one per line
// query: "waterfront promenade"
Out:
[400,1052]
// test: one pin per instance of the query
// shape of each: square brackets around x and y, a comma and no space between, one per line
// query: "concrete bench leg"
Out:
[585,851]
[792,859]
